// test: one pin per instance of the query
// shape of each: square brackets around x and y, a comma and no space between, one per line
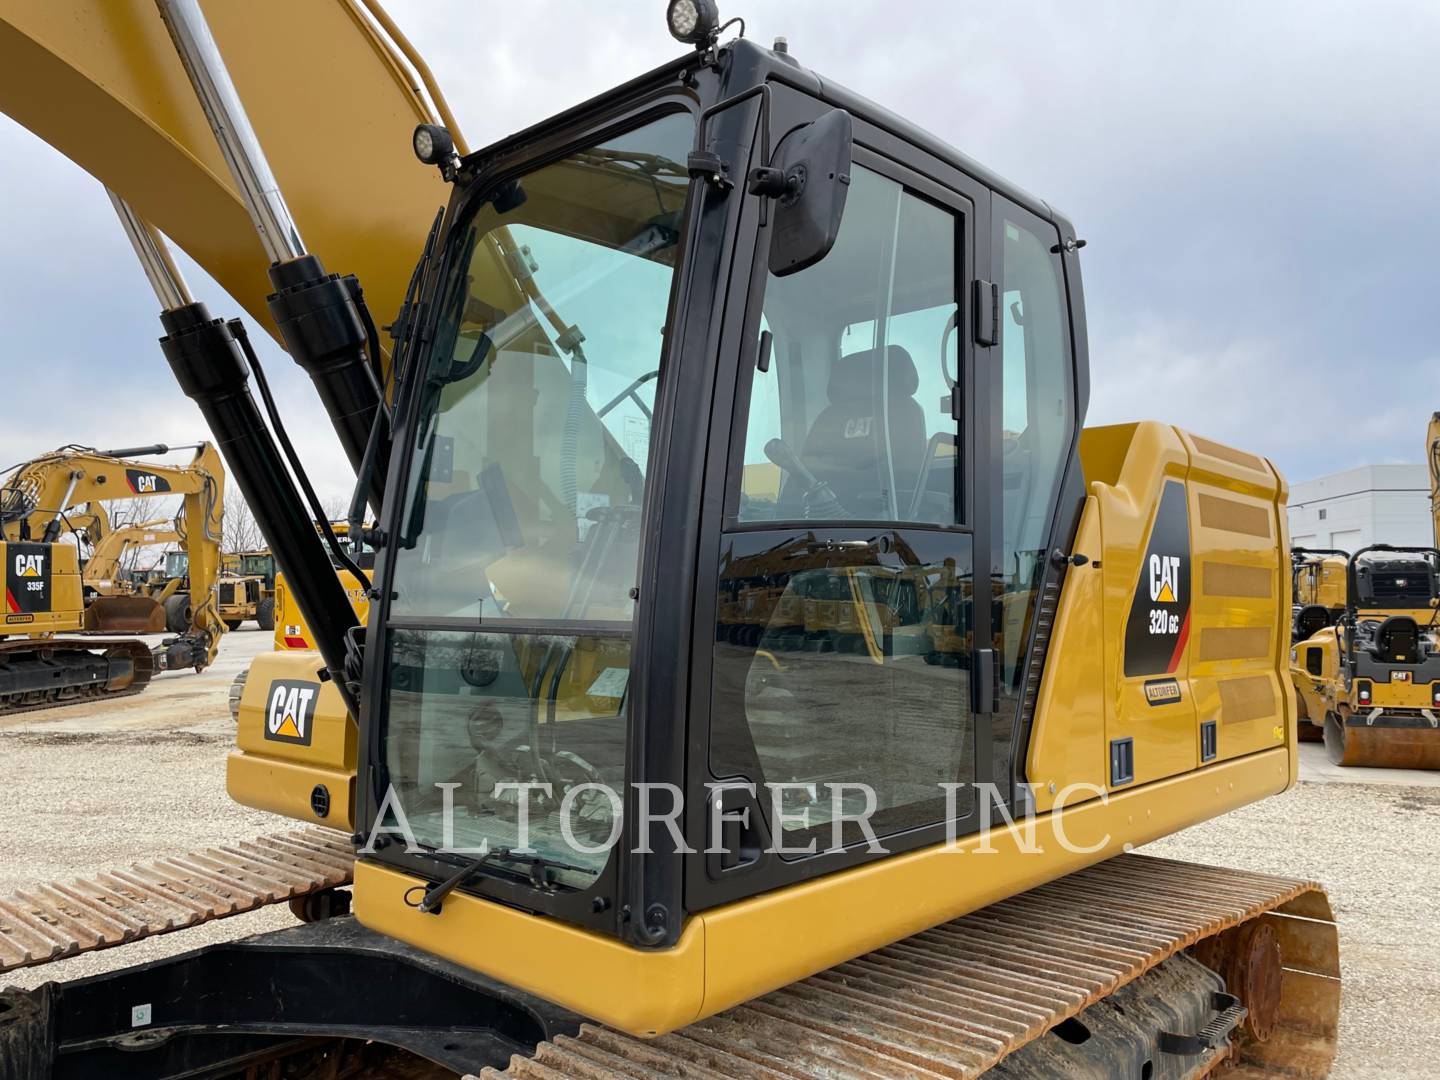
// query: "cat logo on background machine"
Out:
[27,579]
[1159,623]
[290,710]
[146,483]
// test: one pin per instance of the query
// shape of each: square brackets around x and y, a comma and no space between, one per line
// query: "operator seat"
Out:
[1310,620]
[1397,641]
[843,446]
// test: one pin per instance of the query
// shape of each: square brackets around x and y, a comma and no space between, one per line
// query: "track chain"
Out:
[60,919]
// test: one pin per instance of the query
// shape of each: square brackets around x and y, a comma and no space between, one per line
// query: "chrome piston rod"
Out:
[160,269]
[231,125]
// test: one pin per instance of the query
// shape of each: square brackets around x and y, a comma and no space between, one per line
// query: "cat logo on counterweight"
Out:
[290,711]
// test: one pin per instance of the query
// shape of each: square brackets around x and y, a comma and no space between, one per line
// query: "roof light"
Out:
[695,22]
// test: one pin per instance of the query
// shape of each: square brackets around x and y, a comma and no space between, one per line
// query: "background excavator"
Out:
[620,311]
[46,594]
[109,566]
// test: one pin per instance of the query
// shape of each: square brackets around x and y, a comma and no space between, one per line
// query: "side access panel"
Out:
[1196,598]
[1239,662]
[296,744]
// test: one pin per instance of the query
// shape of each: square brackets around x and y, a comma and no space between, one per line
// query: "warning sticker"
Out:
[1159,623]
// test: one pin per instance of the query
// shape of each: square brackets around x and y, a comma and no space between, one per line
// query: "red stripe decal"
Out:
[10,601]
[1180,643]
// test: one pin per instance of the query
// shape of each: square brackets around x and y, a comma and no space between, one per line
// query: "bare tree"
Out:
[238,531]
[336,507]
[133,511]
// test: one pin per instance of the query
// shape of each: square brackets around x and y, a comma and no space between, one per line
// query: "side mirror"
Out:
[808,179]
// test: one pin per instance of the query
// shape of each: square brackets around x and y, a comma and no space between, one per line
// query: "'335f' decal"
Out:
[27,578]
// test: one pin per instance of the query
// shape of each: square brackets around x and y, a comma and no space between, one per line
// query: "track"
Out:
[952,1001]
[56,920]
[72,662]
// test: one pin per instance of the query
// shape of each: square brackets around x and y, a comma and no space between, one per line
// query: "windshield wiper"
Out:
[435,895]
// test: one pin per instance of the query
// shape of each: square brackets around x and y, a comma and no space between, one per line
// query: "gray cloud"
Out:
[1253,182]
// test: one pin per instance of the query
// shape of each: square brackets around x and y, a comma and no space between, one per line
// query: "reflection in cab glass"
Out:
[524,505]
[843,613]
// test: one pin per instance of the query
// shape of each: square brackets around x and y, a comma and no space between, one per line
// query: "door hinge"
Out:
[711,168]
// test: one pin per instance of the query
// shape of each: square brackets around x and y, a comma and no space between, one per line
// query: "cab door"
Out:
[851,676]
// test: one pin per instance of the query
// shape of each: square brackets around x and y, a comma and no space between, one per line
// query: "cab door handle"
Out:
[985,678]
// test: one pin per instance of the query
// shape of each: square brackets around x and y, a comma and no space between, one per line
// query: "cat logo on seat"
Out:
[1399,676]
[290,711]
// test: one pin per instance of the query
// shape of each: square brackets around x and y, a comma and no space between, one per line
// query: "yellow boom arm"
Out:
[329,92]
[104,562]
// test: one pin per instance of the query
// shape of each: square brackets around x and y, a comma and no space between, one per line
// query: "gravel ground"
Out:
[1376,849]
[91,788]
[1369,836]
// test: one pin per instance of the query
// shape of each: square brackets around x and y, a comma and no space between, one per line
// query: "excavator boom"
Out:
[100,81]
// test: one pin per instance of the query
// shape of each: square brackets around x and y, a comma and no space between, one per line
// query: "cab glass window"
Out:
[853,418]
[1038,426]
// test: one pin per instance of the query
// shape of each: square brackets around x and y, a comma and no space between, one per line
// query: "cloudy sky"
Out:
[1255,182]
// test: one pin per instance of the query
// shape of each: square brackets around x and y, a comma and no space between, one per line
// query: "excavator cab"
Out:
[634,364]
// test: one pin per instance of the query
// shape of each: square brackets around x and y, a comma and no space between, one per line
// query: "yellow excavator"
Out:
[726,318]
[46,595]
[105,567]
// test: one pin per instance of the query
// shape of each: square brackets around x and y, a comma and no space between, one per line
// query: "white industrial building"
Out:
[1374,504]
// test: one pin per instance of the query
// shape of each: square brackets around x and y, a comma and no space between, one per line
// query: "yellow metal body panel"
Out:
[1321,580]
[1067,739]
[1241,604]
[1232,656]
[291,630]
[736,952]
[67,602]
[329,100]
[278,775]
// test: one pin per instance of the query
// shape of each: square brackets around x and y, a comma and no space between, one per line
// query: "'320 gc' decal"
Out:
[1159,622]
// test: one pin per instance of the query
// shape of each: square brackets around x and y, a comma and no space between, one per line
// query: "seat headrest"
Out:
[1398,639]
[853,377]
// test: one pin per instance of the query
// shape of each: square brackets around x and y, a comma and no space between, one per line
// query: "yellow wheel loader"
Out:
[728,332]
[246,589]
[46,595]
[1371,681]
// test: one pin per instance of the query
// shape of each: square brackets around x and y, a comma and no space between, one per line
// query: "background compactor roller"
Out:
[1371,681]
[724,310]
